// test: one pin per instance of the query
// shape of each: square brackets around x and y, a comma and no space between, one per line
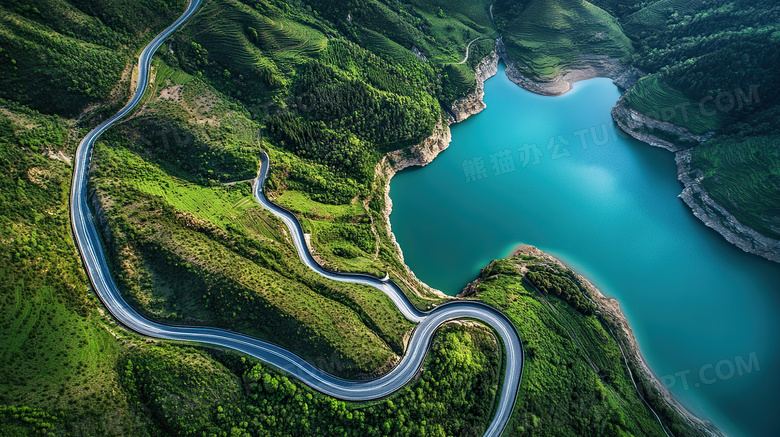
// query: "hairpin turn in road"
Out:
[89,247]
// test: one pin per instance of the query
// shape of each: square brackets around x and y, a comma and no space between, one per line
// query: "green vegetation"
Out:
[544,36]
[60,55]
[575,381]
[67,369]
[565,285]
[58,354]
[713,68]
[743,175]
[166,235]
[656,98]
[190,393]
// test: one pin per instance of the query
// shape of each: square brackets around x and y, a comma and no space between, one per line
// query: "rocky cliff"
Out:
[655,132]
[717,217]
[473,103]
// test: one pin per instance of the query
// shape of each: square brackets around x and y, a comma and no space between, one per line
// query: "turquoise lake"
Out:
[704,312]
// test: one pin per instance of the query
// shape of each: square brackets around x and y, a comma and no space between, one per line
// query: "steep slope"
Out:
[326,88]
[60,55]
[544,37]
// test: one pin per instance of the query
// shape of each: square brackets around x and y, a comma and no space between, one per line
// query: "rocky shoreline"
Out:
[589,67]
[648,130]
[610,311]
[656,133]
[422,154]
[680,141]
[717,217]
[474,103]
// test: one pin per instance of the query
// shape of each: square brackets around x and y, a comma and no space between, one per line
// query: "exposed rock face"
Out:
[717,217]
[588,67]
[629,78]
[655,132]
[422,154]
[473,103]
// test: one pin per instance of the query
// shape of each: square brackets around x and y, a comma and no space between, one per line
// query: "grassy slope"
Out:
[58,353]
[657,99]
[544,36]
[60,55]
[574,381]
[655,14]
[67,368]
[743,174]
[257,285]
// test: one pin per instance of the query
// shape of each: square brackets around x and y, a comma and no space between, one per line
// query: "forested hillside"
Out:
[60,55]
[713,67]
[325,88]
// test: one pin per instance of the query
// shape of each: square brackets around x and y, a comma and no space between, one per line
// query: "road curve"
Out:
[90,249]
[468,47]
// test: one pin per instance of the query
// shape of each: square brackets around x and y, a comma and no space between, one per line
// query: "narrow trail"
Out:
[468,47]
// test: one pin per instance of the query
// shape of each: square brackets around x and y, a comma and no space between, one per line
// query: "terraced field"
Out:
[248,41]
[656,14]
[657,99]
[384,46]
[548,35]
[743,174]
[454,24]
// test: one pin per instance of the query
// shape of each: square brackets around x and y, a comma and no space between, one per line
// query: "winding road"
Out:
[468,47]
[89,247]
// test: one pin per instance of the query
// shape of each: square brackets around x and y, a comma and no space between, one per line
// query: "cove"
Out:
[553,172]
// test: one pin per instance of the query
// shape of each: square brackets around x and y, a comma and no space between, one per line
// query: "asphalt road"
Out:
[89,247]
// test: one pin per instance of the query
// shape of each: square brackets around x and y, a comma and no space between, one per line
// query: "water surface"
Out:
[553,172]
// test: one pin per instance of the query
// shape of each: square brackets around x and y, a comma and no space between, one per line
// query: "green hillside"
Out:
[325,88]
[653,96]
[565,342]
[59,55]
[544,36]
[656,14]
[718,61]
[743,174]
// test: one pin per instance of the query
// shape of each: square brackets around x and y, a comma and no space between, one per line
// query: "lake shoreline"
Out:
[642,127]
[624,75]
[424,153]
[610,311]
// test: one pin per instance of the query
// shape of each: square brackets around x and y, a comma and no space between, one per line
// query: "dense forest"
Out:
[709,67]
[721,57]
[325,88]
